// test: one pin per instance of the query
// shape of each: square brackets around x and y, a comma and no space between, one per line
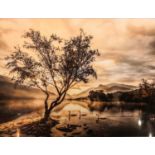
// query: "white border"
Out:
[76,146]
[77,9]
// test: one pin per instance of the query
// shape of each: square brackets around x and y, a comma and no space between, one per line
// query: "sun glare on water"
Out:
[18,132]
[139,122]
[150,134]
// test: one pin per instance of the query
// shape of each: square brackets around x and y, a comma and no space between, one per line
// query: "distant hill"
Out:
[8,90]
[109,88]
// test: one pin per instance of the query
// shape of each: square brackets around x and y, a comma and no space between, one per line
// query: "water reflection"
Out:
[80,121]
[140,122]
[12,109]
[150,134]
[114,121]
[18,132]
[147,123]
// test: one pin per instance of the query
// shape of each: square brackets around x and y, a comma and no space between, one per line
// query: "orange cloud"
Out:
[124,44]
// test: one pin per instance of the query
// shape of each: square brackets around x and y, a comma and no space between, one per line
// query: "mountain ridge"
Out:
[8,90]
[108,88]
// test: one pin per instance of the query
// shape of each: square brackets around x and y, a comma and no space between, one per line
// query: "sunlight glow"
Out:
[18,132]
[150,134]
[139,122]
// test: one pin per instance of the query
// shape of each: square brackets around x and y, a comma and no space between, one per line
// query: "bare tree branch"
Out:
[58,64]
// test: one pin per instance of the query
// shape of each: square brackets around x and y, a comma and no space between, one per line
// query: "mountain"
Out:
[115,87]
[109,88]
[8,90]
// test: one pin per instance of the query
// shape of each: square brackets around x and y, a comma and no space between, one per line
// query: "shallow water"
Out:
[12,109]
[108,123]
[75,119]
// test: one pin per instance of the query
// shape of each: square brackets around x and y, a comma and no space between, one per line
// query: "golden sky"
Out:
[127,46]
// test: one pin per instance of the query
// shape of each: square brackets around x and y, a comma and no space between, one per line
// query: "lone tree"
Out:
[52,64]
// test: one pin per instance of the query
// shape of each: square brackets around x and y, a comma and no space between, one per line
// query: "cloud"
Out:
[127,45]
[4,31]
[152,47]
[119,58]
[126,68]
[127,80]
[3,44]
[141,30]
[151,67]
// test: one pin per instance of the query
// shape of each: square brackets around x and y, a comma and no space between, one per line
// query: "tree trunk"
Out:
[52,105]
[48,112]
[46,115]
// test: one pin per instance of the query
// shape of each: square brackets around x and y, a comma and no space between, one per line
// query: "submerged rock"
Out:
[67,128]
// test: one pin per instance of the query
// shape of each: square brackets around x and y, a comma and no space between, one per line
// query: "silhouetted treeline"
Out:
[131,96]
[145,93]
[99,95]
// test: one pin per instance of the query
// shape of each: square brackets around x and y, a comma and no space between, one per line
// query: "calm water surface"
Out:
[77,120]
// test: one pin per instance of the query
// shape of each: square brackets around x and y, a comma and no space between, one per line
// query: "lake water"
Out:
[109,123]
[75,119]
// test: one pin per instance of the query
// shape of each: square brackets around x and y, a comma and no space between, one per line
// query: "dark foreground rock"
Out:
[39,128]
